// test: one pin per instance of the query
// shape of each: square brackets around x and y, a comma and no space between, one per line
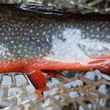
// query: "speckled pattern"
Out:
[26,35]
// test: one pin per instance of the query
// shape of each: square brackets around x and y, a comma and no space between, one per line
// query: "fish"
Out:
[28,37]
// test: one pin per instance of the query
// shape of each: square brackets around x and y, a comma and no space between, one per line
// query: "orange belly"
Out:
[36,67]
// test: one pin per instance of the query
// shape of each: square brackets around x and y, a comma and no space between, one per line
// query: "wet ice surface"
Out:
[70,92]
[59,95]
[24,36]
[96,75]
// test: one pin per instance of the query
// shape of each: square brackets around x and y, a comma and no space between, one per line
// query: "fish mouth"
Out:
[40,8]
